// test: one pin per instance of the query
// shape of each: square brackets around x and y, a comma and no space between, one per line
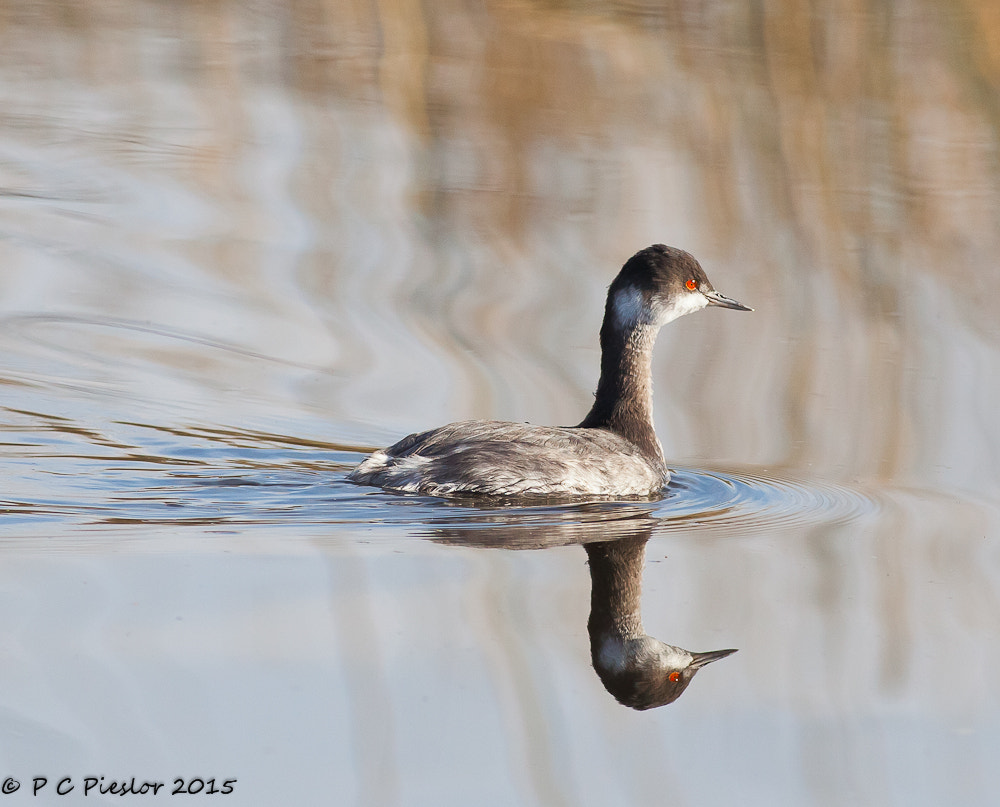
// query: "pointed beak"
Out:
[701,659]
[714,298]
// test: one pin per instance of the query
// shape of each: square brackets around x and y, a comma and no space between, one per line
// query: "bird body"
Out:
[491,457]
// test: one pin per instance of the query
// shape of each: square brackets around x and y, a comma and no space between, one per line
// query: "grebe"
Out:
[614,451]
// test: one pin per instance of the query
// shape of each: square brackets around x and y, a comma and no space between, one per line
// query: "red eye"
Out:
[692,285]
[676,676]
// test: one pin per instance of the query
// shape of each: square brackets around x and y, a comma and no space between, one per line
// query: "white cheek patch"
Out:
[675,657]
[683,304]
[632,309]
[629,308]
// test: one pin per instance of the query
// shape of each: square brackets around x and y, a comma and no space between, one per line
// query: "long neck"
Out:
[624,399]
[616,589]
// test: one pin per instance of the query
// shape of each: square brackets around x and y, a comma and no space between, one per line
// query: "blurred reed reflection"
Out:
[423,200]
[639,670]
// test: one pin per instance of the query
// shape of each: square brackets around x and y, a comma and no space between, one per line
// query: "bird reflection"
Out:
[639,670]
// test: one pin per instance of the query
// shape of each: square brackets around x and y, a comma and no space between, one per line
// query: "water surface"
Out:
[242,245]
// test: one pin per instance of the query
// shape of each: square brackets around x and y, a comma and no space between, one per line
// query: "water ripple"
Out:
[757,500]
[150,474]
[734,502]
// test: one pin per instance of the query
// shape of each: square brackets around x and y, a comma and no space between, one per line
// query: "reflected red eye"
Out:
[676,676]
[692,285]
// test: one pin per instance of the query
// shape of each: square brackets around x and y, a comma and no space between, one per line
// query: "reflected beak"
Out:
[714,298]
[701,659]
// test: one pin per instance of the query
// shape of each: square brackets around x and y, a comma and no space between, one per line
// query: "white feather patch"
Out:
[632,309]
[683,304]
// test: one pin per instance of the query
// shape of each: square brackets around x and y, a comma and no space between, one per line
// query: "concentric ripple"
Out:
[754,501]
